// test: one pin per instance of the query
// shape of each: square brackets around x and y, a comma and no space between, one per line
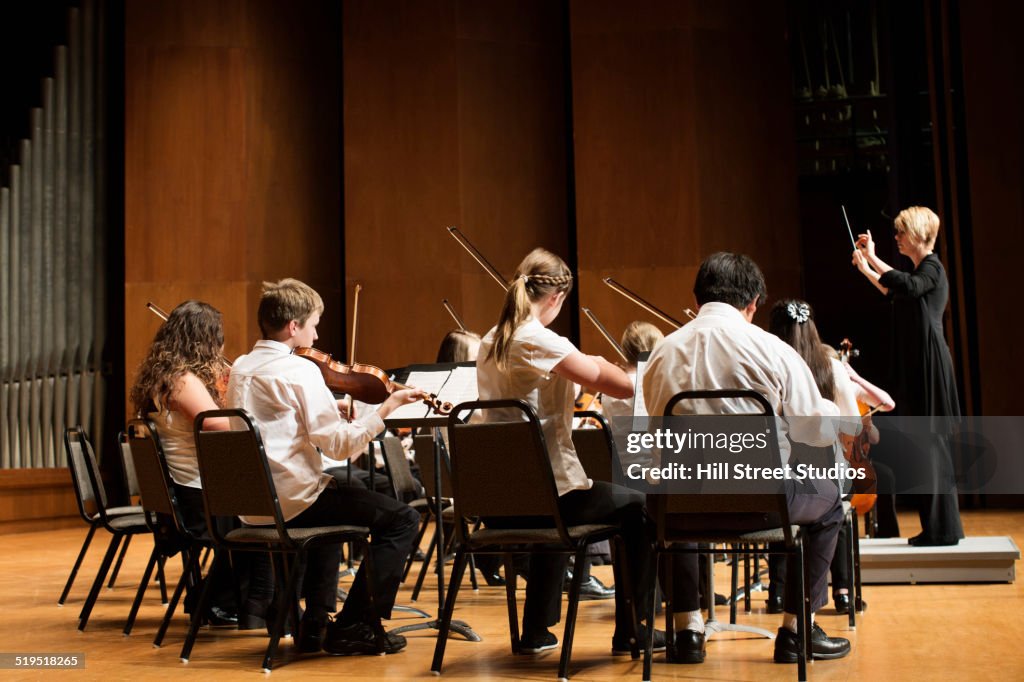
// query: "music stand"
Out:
[419,415]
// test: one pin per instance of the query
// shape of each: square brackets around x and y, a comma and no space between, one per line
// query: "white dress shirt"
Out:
[535,350]
[720,349]
[296,413]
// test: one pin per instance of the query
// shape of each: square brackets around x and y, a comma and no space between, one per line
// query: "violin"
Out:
[365,383]
[857,448]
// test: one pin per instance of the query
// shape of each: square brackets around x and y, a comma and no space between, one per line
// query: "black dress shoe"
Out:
[774,604]
[921,540]
[787,645]
[593,589]
[217,617]
[691,647]
[493,579]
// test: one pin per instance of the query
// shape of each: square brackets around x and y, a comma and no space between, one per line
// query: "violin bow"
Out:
[477,256]
[649,307]
[451,311]
[156,310]
[604,332]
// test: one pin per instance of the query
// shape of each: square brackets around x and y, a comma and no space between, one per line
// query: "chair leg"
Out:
[652,608]
[219,558]
[858,600]
[443,628]
[851,530]
[160,579]
[154,556]
[804,621]
[747,584]
[734,585]
[97,584]
[472,574]
[570,616]
[190,564]
[511,583]
[78,564]
[286,602]
[423,569]
[120,559]
[206,557]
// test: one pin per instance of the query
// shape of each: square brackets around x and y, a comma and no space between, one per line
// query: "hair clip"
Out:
[801,312]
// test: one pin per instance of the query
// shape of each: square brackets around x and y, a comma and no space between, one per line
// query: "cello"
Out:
[857,448]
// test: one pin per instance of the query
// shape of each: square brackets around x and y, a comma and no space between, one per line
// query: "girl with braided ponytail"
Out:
[521,358]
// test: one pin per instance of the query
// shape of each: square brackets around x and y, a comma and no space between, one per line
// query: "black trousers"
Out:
[226,582]
[603,503]
[392,525]
[816,507]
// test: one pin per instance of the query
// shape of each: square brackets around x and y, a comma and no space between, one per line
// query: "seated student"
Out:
[720,349]
[792,320]
[179,378]
[297,414]
[521,358]
[639,337]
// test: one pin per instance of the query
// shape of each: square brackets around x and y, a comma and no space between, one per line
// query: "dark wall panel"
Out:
[231,158]
[683,146]
[453,115]
[992,58]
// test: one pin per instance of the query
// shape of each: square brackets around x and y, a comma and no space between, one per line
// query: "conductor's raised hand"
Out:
[866,243]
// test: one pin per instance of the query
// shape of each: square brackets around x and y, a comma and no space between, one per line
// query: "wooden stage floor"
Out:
[966,631]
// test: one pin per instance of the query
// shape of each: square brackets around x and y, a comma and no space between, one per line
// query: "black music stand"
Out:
[426,418]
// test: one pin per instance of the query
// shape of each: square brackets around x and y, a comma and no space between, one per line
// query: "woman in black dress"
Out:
[923,370]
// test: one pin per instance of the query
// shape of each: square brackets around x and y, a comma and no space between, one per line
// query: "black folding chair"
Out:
[149,466]
[120,522]
[742,520]
[237,482]
[88,506]
[502,470]
[595,447]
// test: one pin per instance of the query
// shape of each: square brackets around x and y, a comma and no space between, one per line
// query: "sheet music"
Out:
[431,382]
[639,406]
[461,386]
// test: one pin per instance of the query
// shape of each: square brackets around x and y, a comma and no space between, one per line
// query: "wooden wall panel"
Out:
[232,168]
[453,115]
[992,57]
[683,146]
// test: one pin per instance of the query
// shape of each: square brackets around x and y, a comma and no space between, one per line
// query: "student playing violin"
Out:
[521,358]
[297,414]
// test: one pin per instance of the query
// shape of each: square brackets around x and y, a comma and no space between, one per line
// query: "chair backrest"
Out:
[595,447]
[85,475]
[131,479]
[726,510]
[142,441]
[402,482]
[235,473]
[423,451]
[502,469]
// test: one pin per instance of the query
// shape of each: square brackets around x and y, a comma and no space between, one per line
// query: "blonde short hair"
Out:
[286,300]
[919,223]
[638,338]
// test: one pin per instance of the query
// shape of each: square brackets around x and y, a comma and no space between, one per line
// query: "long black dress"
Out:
[924,383]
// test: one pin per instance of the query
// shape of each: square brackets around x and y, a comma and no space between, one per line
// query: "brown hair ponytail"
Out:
[541,273]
